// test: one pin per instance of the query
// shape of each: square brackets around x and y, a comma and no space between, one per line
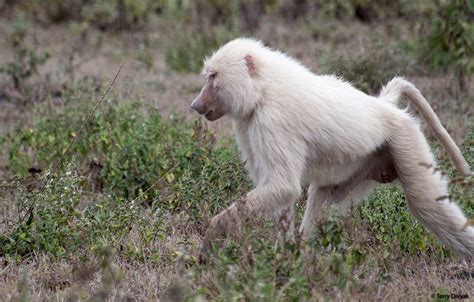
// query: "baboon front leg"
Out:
[256,206]
[320,201]
[227,221]
[317,200]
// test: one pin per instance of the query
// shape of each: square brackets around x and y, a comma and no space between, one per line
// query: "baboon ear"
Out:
[250,65]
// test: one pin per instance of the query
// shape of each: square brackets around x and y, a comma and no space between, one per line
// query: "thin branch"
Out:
[74,139]
[156,182]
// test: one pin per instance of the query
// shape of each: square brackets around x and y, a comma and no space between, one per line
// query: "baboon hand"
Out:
[227,223]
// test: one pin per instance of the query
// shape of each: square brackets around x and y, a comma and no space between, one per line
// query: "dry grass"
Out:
[411,278]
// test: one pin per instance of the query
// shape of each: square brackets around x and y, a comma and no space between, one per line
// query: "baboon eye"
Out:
[213,75]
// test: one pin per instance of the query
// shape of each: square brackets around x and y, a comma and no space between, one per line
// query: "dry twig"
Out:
[74,139]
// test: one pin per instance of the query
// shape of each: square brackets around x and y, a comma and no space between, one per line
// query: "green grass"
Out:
[168,166]
[170,176]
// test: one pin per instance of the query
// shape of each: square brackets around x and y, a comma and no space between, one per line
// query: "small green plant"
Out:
[110,276]
[45,219]
[342,256]
[26,59]
[24,293]
[390,221]
[451,40]
[146,52]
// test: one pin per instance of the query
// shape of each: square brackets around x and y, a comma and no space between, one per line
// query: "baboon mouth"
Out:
[208,115]
[213,115]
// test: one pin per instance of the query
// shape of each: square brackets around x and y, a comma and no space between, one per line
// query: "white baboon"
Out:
[295,129]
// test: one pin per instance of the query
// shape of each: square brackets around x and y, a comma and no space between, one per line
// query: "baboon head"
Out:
[231,82]
[209,103]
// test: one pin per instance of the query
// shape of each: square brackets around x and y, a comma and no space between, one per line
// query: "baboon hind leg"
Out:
[426,189]
[379,168]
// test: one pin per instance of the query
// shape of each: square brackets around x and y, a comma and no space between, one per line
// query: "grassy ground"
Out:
[122,216]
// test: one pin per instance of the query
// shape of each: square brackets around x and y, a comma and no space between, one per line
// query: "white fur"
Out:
[295,128]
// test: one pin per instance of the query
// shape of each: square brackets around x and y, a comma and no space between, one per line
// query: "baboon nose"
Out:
[193,106]
[198,106]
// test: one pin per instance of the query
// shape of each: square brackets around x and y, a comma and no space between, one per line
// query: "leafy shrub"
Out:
[45,219]
[171,165]
[362,10]
[233,14]
[118,14]
[390,221]
[370,69]
[256,268]
[126,14]
[462,188]
[136,151]
[60,217]
[146,52]
[186,54]
[26,59]
[451,40]
[106,14]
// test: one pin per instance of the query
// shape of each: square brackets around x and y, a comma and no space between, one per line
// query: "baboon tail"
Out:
[399,87]
[426,189]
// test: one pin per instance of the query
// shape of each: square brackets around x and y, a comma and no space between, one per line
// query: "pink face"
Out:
[208,103]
